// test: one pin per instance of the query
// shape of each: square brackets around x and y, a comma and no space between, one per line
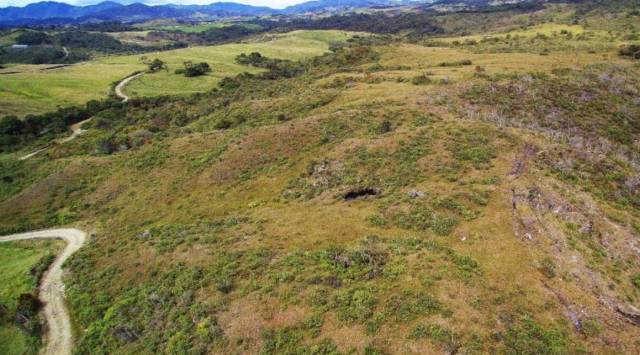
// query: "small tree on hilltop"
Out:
[191,69]
[156,65]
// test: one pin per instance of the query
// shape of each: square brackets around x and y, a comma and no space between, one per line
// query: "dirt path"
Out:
[124,83]
[33,153]
[59,337]
[76,130]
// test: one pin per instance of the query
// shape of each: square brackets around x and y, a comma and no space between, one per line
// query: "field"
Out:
[293,46]
[35,90]
[16,261]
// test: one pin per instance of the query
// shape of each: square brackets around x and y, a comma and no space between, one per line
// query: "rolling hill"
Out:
[449,182]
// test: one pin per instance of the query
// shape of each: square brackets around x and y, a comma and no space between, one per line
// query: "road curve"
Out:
[76,130]
[59,337]
[124,83]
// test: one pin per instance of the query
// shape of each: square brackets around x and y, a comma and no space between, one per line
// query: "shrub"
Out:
[421,79]
[191,69]
[466,265]
[632,51]
[281,341]
[443,225]
[590,327]
[458,63]
[356,304]
[43,264]
[11,125]
[528,337]
[33,38]
[112,144]
[477,155]
[635,280]
[258,60]
[156,65]
[548,267]
[26,312]
[438,334]
[318,297]
[409,305]
[223,123]
[385,127]
[370,350]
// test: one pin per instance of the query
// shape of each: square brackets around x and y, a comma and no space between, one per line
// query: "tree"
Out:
[11,125]
[632,51]
[34,38]
[156,65]
[191,69]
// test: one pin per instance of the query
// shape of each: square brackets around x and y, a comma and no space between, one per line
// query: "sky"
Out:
[271,3]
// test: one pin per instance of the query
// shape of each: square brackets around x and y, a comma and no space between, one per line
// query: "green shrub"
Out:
[314,324]
[443,225]
[631,51]
[370,350]
[279,341]
[467,267]
[456,63]
[590,327]
[477,155]
[409,305]
[528,337]
[635,280]
[156,65]
[421,79]
[437,334]
[190,69]
[355,304]
[548,267]
[384,127]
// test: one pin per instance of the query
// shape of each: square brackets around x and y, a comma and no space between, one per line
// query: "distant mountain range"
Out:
[51,12]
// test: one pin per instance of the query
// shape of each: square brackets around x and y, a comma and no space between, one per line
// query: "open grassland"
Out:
[34,90]
[538,39]
[8,37]
[462,234]
[21,263]
[293,46]
[138,38]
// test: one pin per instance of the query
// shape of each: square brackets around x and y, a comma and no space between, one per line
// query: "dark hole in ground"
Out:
[360,193]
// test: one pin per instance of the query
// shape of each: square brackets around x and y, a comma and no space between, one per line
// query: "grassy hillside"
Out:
[35,89]
[21,265]
[294,46]
[395,196]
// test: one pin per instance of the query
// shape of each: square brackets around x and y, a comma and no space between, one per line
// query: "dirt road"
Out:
[76,130]
[124,83]
[59,337]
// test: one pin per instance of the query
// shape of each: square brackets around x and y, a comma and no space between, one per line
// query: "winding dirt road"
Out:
[124,83]
[76,130]
[59,337]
